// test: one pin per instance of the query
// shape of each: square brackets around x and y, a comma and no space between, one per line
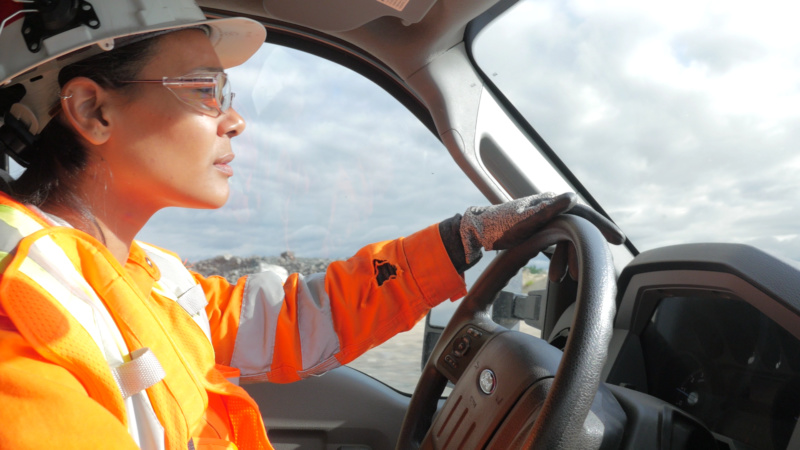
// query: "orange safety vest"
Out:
[72,320]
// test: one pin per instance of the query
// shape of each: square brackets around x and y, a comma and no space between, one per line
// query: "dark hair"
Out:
[59,156]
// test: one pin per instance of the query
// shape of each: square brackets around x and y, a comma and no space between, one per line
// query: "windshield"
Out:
[680,118]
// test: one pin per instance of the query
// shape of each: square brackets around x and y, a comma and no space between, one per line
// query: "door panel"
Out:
[343,409]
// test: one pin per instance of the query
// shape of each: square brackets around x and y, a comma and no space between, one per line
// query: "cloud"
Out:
[717,52]
[684,130]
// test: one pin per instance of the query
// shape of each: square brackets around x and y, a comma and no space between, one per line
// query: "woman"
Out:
[106,342]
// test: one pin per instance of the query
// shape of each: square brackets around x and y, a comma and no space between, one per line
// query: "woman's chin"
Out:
[214,200]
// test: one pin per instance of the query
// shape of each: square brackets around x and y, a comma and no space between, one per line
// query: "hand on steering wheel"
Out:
[506,225]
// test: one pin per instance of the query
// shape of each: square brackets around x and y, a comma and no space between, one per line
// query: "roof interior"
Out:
[404,47]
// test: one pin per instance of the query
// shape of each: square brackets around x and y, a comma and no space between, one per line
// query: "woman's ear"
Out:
[84,103]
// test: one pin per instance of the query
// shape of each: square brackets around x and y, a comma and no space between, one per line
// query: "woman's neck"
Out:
[110,222]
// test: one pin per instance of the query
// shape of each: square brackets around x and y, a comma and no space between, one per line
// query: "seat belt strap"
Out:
[138,374]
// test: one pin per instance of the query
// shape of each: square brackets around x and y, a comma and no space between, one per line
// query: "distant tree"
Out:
[535,270]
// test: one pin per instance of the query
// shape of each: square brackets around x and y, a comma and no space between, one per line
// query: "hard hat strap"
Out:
[16,139]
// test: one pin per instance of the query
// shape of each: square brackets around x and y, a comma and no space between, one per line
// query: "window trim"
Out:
[473,29]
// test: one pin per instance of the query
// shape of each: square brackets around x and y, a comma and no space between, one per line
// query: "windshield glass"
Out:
[680,118]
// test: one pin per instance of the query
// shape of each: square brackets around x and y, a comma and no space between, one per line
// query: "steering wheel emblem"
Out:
[487,381]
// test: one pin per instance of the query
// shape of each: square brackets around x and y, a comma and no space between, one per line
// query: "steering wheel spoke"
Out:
[501,372]
[457,355]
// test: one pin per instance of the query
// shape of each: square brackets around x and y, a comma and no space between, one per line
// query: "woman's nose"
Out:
[232,124]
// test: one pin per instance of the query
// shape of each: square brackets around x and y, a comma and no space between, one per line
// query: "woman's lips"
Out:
[222,164]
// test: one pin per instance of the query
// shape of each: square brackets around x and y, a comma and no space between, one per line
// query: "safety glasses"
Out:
[208,92]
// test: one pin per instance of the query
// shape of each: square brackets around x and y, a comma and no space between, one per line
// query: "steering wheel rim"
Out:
[576,381]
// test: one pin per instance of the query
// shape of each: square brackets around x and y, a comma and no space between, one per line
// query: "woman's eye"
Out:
[205,91]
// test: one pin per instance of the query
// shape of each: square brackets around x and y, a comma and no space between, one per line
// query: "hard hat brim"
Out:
[234,40]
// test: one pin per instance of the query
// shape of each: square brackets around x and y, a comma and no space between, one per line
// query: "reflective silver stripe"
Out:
[9,237]
[138,374]
[320,369]
[194,300]
[262,300]
[258,320]
[318,339]
[21,222]
[13,226]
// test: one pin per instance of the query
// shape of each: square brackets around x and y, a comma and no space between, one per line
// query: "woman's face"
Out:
[162,152]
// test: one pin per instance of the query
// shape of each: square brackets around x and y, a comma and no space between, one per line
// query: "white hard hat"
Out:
[34,48]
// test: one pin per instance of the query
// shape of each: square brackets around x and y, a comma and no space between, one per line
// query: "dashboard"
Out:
[713,332]
[728,365]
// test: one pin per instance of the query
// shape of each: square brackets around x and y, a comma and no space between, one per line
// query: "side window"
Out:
[530,280]
[329,162]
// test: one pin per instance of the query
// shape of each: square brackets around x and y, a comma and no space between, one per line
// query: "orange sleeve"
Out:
[45,406]
[372,308]
[313,324]
[223,309]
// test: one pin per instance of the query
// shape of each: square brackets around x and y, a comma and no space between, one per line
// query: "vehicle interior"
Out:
[671,344]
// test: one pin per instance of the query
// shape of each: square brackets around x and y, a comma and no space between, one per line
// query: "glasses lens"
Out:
[210,93]
[224,93]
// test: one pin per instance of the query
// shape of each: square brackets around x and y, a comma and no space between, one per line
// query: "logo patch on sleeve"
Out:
[384,271]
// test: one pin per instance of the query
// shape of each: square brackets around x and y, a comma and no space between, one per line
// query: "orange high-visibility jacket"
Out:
[97,355]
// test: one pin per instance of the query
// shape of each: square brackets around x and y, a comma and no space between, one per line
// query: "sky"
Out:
[681,119]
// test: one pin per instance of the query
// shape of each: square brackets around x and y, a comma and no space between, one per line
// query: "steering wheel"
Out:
[512,390]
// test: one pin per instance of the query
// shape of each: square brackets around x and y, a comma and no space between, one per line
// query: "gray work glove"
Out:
[500,227]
